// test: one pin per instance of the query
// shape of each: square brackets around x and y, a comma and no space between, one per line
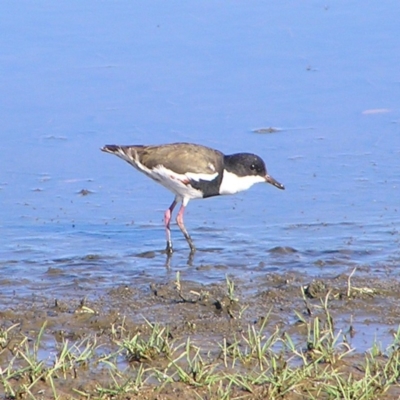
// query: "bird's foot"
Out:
[169,249]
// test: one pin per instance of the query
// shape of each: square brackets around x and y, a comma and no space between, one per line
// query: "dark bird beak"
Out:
[272,181]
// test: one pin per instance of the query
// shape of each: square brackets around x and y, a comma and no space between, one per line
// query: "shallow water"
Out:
[78,76]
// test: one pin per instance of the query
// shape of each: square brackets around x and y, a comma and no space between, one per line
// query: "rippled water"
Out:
[78,76]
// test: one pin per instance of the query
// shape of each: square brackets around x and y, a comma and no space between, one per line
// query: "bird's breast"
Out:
[232,183]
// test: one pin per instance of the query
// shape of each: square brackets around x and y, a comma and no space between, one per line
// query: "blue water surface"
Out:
[77,75]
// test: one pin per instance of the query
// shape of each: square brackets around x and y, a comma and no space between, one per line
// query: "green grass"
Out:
[259,361]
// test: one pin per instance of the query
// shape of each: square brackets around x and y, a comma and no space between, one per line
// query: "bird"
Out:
[193,171]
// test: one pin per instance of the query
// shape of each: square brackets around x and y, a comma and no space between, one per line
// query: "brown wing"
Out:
[182,158]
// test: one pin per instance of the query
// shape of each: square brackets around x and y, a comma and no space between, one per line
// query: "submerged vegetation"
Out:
[254,360]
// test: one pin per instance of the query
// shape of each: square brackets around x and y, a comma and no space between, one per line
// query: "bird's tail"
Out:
[127,153]
[112,148]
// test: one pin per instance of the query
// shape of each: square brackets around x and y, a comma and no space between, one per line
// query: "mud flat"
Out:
[280,337]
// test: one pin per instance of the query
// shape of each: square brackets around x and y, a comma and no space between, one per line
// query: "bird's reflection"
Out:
[169,256]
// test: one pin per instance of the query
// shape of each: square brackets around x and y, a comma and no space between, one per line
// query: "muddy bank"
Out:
[147,333]
[355,298]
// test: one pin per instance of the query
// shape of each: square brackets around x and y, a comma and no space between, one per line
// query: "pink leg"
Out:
[179,220]
[167,220]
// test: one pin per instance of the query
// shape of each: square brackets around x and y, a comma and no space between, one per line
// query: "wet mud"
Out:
[364,309]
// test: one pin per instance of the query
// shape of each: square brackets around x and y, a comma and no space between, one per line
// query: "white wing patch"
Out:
[176,183]
[204,177]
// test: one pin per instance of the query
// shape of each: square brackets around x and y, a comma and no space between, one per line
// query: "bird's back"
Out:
[181,158]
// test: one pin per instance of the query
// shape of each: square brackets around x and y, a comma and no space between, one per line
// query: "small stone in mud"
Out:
[270,129]
[146,254]
[315,289]
[122,292]
[282,250]
[89,257]
[54,271]
[84,192]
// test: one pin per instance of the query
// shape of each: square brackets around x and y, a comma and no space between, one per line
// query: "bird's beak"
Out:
[272,181]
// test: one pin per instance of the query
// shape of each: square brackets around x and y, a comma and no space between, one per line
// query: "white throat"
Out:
[232,183]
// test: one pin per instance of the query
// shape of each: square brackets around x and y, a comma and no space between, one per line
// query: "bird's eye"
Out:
[252,167]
